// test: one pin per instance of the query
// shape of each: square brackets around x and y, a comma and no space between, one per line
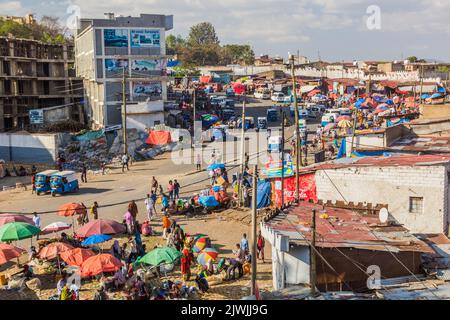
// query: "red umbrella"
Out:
[71,209]
[8,218]
[76,257]
[8,252]
[53,249]
[100,226]
[100,263]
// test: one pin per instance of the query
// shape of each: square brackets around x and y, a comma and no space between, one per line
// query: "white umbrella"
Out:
[55,227]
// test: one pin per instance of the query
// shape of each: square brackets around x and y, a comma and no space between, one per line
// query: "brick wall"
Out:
[392,186]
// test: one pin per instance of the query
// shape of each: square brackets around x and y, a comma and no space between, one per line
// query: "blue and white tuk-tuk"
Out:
[63,182]
[42,181]
[274,144]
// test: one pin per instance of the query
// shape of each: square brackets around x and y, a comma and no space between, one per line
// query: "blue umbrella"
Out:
[215,166]
[96,238]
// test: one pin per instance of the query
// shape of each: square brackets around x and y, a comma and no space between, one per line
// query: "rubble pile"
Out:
[135,139]
[90,152]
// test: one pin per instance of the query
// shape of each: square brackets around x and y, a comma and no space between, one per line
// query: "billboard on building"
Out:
[114,67]
[148,67]
[116,38]
[145,39]
[147,90]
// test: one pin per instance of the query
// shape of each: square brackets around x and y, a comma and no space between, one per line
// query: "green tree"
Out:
[16,29]
[203,34]
[237,54]
[174,44]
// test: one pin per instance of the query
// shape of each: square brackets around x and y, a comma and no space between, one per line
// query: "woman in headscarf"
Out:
[115,250]
[186,261]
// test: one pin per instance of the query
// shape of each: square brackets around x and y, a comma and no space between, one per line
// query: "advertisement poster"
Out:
[114,67]
[145,38]
[307,189]
[148,66]
[147,89]
[116,38]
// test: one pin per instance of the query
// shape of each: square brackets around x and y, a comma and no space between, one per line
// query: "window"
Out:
[415,204]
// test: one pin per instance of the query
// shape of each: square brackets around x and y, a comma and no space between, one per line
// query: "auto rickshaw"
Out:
[42,181]
[63,182]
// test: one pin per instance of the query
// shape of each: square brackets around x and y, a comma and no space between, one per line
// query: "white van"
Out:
[262,94]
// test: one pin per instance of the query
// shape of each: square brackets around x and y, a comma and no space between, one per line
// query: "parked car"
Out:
[278,97]
[262,94]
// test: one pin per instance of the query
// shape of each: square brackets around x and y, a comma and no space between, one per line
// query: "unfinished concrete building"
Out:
[35,75]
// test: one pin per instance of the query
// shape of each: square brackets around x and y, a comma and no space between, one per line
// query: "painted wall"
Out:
[29,148]
[393,186]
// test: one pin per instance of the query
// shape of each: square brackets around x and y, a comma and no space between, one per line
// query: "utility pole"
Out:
[282,159]
[194,102]
[421,83]
[313,254]
[298,161]
[355,117]
[194,116]
[254,223]
[242,153]
[124,113]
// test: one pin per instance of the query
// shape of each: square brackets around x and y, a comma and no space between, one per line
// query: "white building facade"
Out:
[108,49]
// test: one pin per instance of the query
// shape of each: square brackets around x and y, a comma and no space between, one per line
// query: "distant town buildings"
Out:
[27,20]
[109,49]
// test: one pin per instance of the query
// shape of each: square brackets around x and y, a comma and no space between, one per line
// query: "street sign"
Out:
[36,116]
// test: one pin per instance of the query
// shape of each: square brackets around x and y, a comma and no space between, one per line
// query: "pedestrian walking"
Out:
[170,188]
[133,209]
[84,173]
[94,210]
[166,226]
[198,162]
[153,197]
[176,189]
[149,204]
[260,243]
[37,222]
[33,184]
[129,221]
[154,186]
[125,160]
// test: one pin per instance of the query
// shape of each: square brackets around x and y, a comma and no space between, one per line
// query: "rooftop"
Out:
[429,144]
[343,228]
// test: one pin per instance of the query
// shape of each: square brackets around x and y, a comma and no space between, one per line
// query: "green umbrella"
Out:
[17,231]
[161,255]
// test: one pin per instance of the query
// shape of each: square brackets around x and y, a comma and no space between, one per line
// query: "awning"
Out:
[306,89]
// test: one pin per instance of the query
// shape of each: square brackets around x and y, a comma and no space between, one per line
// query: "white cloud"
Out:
[10,7]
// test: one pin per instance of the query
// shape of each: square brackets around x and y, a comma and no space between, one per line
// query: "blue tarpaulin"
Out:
[436,95]
[362,154]
[390,123]
[343,149]
[425,96]
[90,135]
[264,194]
[441,89]
[208,201]
[172,63]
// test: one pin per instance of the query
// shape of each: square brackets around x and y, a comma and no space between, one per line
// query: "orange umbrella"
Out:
[76,257]
[100,263]
[71,209]
[53,249]
[8,252]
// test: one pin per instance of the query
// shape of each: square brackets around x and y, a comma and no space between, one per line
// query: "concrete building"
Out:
[36,75]
[414,188]
[107,48]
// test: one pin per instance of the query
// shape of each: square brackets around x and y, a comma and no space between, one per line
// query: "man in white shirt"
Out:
[37,222]
[149,204]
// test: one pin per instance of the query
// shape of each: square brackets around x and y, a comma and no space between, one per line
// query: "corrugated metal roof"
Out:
[343,228]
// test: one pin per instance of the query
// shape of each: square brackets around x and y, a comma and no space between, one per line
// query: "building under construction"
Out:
[36,75]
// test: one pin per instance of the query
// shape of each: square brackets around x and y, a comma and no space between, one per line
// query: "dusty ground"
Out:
[215,226]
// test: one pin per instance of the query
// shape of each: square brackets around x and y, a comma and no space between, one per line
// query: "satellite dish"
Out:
[383,215]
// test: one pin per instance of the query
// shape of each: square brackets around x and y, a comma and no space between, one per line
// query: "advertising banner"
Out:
[307,189]
[116,38]
[147,89]
[148,67]
[145,38]
[114,67]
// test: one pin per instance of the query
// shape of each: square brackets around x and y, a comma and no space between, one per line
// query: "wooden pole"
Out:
[282,159]
[254,223]
[313,271]
[124,113]
[240,194]
[298,161]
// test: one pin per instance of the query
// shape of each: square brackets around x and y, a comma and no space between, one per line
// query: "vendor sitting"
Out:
[173,208]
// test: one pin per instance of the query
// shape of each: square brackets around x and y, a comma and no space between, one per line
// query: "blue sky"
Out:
[335,28]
